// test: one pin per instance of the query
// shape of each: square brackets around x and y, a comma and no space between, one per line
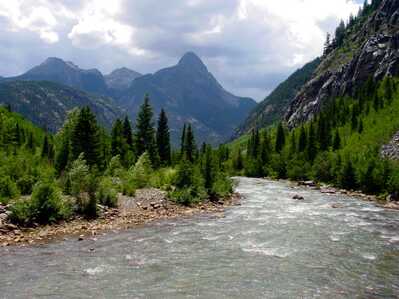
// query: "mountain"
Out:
[190,93]
[120,79]
[47,104]
[273,107]
[366,48]
[66,73]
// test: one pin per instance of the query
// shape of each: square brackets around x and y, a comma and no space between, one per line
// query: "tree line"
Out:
[339,146]
[92,166]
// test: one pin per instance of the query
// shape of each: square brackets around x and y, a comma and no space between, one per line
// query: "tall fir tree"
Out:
[190,147]
[118,143]
[85,138]
[183,140]
[302,143]
[127,132]
[144,137]
[163,139]
[280,138]
[311,148]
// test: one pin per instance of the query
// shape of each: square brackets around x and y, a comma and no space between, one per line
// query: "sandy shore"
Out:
[148,205]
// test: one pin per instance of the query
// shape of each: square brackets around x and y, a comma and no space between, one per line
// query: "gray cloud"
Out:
[249,45]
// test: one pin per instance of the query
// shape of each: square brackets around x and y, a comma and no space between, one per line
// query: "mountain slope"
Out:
[66,73]
[189,93]
[273,107]
[46,104]
[120,79]
[367,48]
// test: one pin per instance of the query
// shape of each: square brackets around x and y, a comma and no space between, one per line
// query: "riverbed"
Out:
[271,246]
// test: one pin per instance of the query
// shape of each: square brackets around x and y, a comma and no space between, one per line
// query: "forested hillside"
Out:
[70,173]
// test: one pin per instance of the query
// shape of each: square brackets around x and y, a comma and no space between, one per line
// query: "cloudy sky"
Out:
[249,45]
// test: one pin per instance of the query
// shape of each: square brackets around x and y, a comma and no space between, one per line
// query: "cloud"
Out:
[250,45]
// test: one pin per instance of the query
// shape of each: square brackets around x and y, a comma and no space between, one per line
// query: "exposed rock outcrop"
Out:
[391,150]
[371,49]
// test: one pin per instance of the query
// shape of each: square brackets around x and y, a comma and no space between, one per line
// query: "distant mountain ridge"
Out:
[47,104]
[187,91]
[121,78]
[190,93]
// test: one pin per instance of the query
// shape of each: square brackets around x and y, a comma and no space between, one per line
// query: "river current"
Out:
[271,246]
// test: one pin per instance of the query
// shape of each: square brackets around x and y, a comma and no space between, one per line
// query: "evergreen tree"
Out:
[85,138]
[118,143]
[311,149]
[337,141]
[348,176]
[183,140]
[127,132]
[163,139]
[145,133]
[280,138]
[302,144]
[265,151]
[63,153]
[45,147]
[208,168]
[189,144]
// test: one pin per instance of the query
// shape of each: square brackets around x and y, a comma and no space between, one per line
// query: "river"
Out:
[269,247]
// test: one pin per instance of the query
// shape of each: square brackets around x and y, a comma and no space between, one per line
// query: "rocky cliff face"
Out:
[370,49]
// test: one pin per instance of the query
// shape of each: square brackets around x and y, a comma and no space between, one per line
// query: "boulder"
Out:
[298,197]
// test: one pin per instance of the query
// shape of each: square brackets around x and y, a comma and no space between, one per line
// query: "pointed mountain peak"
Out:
[190,59]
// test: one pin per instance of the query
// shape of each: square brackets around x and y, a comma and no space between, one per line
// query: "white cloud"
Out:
[250,45]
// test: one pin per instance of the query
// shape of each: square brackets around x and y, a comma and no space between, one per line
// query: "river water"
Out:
[270,247]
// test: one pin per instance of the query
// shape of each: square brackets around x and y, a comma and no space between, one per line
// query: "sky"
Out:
[249,45]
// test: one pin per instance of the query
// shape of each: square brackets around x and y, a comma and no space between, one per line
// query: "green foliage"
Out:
[107,192]
[79,176]
[222,186]
[8,189]
[45,206]
[163,139]
[142,171]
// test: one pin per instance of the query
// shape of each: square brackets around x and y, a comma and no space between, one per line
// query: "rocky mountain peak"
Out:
[192,61]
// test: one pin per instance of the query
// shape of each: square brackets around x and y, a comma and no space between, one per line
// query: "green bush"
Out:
[141,172]
[185,196]
[45,206]
[223,186]
[78,176]
[115,168]
[163,178]
[8,189]
[25,184]
[107,194]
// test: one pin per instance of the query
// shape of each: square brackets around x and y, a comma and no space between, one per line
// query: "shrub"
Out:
[141,172]
[185,196]
[78,176]
[107,194]
[25,184]
[47,203]
[45,206]
[115,168]
[8,189]
[163,178]
[223,186]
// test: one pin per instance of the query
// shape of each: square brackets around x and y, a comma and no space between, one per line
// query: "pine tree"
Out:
[302,140]
[208,168]
[337,141]
[118,143]
[348,177]
[280,138]
[127,132]
[45,147]
[183,140]
[145,134]
[163,139]
[265,151]
[63,155]
[311,149]
[189,144]
[85,138]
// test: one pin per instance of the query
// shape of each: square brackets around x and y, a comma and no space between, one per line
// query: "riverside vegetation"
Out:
[48,178]
[340,146]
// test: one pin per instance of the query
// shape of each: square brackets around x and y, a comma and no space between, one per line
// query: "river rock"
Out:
[298,197]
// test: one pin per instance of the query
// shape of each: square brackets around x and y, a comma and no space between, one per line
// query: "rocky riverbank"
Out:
[388,203]
[148,205]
